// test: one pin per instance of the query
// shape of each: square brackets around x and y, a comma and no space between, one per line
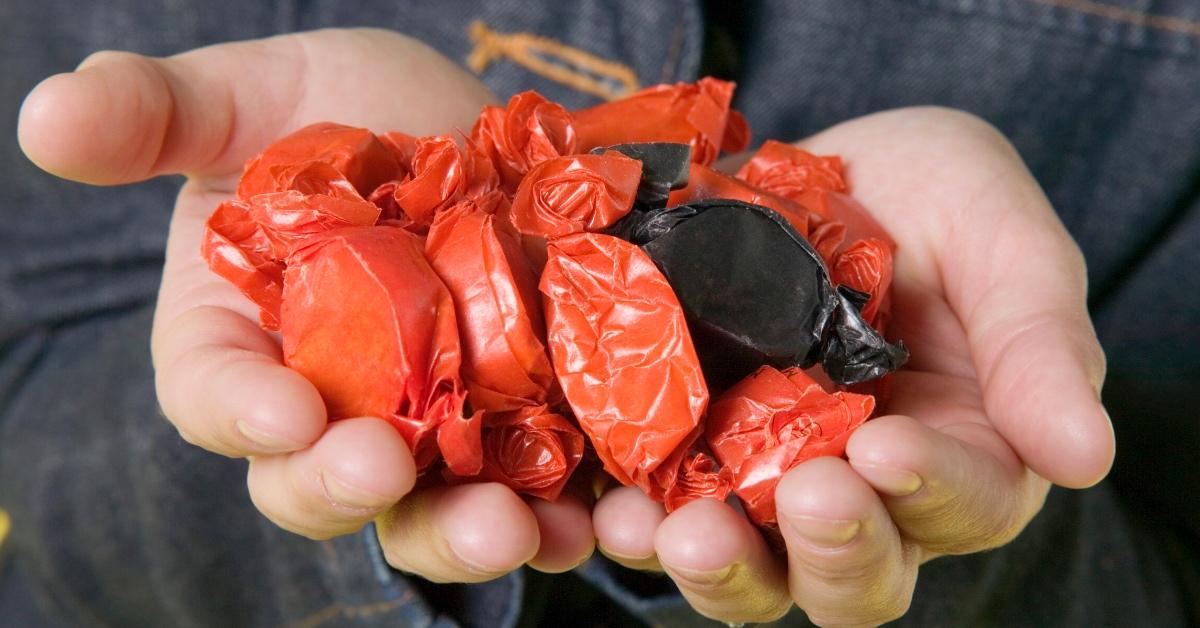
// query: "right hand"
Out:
[122,117]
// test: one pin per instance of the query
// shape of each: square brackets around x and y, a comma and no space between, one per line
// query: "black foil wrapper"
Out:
[664,168]
[755,292]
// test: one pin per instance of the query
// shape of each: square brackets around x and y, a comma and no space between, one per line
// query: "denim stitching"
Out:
[1129,16]
[551,59]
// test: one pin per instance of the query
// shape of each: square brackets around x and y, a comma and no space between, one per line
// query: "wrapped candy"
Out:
[790,171]
[573,194]
[367,321]
[866,266]
[403,275]
[354,153]
[532,450]
[704,183]
[523,134]
[755,292]
[441,174]
[235,248]
[816,183]
[697,114]
[499,311]
[623,357]
[772,421]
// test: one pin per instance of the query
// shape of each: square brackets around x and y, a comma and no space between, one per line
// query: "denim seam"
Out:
[1172,43]
[1129,16]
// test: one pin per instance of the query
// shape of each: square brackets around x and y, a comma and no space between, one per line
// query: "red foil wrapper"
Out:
[441,175]
[772,421]
[569,195]
[288,219]
[698,476]
[532,450]
[817,183]
[623,356]
[356,154]
[866,266]
[235,247]
[705,183]
[367,321]
[479,258]
[528,131]
[697,113]
[790,171]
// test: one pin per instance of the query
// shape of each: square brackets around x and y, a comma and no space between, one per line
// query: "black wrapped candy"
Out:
[755,292]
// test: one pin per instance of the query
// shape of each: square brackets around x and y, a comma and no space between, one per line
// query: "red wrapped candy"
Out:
[866,266]
[623,357]
[814,182]
[235,247]
[531,450]
[790,171]
[523,134]
[697,113]
[479,258]
[705,183]
[569,195]
[441,174]
[367,321]
[355,153]
[772,421]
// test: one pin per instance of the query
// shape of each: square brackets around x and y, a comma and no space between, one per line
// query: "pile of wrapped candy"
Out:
[560,283]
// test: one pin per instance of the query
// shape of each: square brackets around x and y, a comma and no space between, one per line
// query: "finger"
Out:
[465,533]
[1038,359]
[122,117]
[625,521]
[358,469]
[721,564]
[565,528]
[847,563]
[220,381]
[943,492]
[1009,269]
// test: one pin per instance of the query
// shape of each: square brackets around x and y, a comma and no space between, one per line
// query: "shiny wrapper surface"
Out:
[367,321]
[772,421]
[623,357]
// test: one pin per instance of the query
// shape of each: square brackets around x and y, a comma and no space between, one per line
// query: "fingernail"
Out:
[351,497]
[828,533]
[716,576]
[273,443]
[894,482]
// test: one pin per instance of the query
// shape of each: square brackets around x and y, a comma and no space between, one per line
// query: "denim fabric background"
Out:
[118,522]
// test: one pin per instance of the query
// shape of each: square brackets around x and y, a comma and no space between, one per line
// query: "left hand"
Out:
[1000,399]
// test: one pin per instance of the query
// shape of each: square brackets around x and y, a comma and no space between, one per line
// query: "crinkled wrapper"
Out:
[523,134]
[772,421]
[698,114]
[235,248]
[440,175]
[623,357]
[366,320]
[532,450]
[505,365]
[355,153]
[816,183]
[866,266]
[704,183]
[569,195]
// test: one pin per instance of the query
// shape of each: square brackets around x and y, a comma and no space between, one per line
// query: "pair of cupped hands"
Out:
[1000,399]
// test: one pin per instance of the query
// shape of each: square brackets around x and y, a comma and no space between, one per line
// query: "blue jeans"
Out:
[118,522]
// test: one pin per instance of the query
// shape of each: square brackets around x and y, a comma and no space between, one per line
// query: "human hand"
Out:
[121,118]
[1000,398]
